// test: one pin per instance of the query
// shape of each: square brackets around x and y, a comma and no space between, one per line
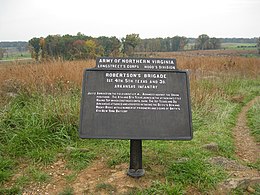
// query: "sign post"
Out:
[136,164]
[137,99]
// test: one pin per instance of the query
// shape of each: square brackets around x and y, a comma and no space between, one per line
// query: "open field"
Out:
[238,45]
[40,152]
[17,55]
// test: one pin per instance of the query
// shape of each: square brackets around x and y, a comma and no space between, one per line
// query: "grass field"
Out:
[39,121]
[17,55]
[238,45]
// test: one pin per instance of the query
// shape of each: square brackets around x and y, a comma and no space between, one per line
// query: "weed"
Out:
[71,177]
[67,191]
[37,175]
[11,191]
[253,117]
[120,152]
[23,180]
[105,186]
[6,166]
[79,160]
[32,174]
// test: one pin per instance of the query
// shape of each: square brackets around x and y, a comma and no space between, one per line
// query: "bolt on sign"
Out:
[136,98]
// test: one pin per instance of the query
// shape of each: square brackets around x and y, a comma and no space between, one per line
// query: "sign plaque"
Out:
[136,99]
[132,103]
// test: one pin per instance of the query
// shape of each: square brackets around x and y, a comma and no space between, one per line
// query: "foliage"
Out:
[205,42]
[110,45]
[70,47]
[168,44]
[129,43]
[34,44]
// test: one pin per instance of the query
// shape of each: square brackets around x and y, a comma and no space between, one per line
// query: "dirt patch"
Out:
[58,173]
[246,147]
[91,180]
[98,178]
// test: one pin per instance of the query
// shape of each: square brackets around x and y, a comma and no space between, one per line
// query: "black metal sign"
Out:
[138,103]
[147,64]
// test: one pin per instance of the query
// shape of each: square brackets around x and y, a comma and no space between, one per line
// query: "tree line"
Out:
[80,46]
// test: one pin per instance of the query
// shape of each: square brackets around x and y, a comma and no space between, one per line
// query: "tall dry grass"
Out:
[43,76]
[242,66]
[213,75]
[47,76]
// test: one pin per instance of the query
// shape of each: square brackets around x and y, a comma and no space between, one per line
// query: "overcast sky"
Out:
[25,19]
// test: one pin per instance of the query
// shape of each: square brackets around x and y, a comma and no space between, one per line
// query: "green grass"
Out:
[37,127]
[17,55]
[106,187]
[32,174]
[11,191]
[161,188]
[242,191]
[6,168]
[253,117]
[67,191]
[196,172]
[238,45]
[78,160]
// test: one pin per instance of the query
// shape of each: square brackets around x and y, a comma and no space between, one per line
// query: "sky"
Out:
[21,20]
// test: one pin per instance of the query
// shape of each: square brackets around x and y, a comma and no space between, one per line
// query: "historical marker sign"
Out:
[120,102]
[147,64]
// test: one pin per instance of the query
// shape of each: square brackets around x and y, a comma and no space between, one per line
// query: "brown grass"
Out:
[242,66]
[47,76]
[43,76]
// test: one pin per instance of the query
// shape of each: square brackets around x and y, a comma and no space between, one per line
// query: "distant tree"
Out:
[67,41]
[202,42]
[79,49]
[55,47]
[92,49]
[111,45]
[43,47]
[129,43]
[178,43]
[34,44]
[214,43]
[168,44]
[258,45]
[2,52]
[183,42]
[115,46]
